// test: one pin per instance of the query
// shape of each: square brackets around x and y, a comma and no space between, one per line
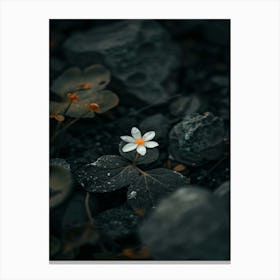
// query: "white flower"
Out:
[139,142]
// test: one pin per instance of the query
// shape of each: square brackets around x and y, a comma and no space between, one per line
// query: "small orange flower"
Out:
[85,86]
[73,97]
[93,107]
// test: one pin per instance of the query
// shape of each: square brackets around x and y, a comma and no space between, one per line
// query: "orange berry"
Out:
[73,97]
[93,107]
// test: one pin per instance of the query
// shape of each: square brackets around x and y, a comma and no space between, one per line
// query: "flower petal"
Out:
[128,139]
[141,150]
[135,132]
[151,144]
[149,135]
[129,147]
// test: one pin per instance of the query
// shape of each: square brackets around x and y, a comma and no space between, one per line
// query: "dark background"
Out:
[200,50]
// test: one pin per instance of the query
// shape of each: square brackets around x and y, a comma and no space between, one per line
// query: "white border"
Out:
[255,138]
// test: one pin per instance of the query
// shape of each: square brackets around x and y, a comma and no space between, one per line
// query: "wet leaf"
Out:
[152,186]
[107,174]
[150,156]
[60,181]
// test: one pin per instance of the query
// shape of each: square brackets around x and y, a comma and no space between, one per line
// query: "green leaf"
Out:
[97,76]
[105,99]
[107,174]
[152,186]
[150,156]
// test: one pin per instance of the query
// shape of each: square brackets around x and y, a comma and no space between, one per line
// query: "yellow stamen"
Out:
[139,141]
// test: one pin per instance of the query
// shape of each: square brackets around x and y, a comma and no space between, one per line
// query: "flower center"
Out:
[139,141]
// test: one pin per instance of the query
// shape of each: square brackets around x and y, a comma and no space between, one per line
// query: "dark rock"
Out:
[223,193]
[140,53]
[186,26]
[217,31]
[117,222]
[56,66]
[188,225]
[197,139]
[186,105]
[158,123]
[75,212]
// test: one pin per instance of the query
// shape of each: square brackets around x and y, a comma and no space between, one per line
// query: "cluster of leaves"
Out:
[88,86]
[145,188]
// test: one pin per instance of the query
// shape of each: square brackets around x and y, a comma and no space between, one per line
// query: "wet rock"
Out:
[186,105]
[75,213]
[197,139]
[190,224]
[140,53]
[117,222]
[223,193]
[158,123]
[186,26]
[56,66]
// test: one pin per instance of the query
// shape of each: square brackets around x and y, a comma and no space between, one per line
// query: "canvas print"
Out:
[139,121]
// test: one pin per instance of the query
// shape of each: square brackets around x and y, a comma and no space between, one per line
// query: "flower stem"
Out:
[55,130]
[69,124]
[88,208]
[135,158]
[67,108]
